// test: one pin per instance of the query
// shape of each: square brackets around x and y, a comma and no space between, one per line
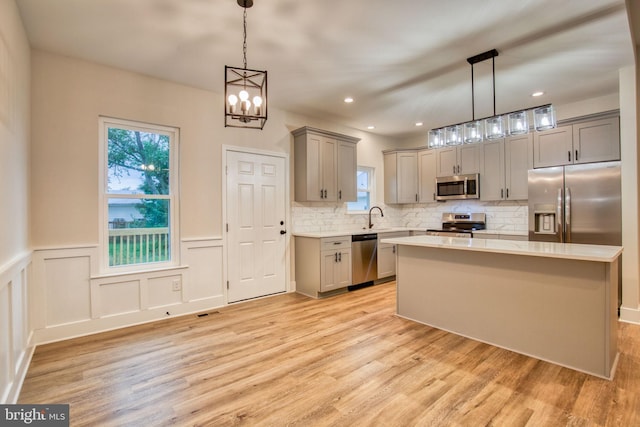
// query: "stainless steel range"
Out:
[459,224]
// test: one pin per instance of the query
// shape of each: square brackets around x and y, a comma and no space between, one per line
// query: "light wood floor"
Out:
[343,361]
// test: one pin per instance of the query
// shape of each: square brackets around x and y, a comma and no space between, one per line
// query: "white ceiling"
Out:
[403,60]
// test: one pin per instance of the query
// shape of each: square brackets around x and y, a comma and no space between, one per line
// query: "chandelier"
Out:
[496,126]
[245,90]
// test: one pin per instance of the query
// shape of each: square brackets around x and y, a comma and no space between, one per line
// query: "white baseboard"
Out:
[630,315]
[104,324]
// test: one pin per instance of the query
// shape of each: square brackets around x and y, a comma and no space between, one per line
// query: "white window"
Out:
[138,195]
[364,182]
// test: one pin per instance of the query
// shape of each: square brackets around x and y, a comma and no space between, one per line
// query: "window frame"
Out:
[104,196]
[370,170]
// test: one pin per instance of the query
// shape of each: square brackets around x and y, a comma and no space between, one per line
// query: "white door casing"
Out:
[256,218]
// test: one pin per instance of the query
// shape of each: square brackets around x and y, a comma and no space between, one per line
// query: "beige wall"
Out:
[14,133]
[68,97]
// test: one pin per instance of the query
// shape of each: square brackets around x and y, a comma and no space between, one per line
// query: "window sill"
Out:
[150,271]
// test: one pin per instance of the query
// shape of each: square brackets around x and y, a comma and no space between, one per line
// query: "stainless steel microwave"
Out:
[458,187]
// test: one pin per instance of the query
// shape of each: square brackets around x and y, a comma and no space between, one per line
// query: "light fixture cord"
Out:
[473,100]
[244,43]
[493,70]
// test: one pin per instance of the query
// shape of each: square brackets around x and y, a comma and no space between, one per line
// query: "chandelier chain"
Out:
[244,43]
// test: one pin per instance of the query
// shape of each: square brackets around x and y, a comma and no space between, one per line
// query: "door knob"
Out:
[283,231]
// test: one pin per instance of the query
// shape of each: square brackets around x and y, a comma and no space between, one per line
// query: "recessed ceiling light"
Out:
[371,127]
[540,93]
[348,100]
[419,124]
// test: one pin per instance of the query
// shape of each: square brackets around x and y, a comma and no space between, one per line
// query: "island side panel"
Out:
[550,308]
[613,272]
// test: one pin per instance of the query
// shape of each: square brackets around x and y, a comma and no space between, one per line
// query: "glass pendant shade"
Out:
[494,127]
[435,138]
[453,135]
[544,117]
[473,132]
[518,123]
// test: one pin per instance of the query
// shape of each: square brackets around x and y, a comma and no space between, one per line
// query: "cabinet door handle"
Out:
[502,193]
[340,194]
[325,193]
[394,249]
[569,155]
[507,193]
[458,168]
[454,168]
[321,193]
[434,196]
[416,197]
[335,256]
[576,155]
[339,256]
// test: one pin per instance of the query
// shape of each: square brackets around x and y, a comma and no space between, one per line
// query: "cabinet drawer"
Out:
[330,243]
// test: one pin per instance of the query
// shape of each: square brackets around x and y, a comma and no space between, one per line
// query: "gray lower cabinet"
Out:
[387,254]
[322,264]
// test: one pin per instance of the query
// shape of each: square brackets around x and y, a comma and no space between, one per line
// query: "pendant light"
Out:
[245,90]
[496,126]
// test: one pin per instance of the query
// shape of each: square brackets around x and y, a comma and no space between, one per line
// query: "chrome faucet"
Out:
[372,208]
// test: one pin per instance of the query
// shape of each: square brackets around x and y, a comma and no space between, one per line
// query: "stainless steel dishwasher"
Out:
[364,267]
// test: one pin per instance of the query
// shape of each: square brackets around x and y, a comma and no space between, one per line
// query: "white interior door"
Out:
[256,214]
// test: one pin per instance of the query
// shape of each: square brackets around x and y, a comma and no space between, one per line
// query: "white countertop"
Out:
[502,232]
[322,234]
[599,253]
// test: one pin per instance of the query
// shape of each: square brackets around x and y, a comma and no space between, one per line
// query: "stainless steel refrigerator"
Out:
[576,204]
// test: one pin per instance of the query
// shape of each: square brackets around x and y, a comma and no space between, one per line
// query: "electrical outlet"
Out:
[177,286]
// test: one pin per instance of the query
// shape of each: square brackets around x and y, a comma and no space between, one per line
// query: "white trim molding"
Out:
[15,325]
[72,298]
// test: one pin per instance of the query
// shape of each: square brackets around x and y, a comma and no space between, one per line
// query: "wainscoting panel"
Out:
[118,298]
[6,353]
[78,300]
[204,258]
[67,290]
[15,328]
[161,293]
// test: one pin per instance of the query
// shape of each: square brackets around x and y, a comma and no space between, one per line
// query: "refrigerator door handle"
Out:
[559,222]
[567,215]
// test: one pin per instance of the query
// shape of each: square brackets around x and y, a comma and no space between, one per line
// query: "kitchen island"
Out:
[555,302]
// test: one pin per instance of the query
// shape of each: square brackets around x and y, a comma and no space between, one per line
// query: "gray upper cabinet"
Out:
[586,142]
[347,171]
[458,160]
[400,176]
[504,166]
[426,176]
[596,141]
[325,166]
[552,147]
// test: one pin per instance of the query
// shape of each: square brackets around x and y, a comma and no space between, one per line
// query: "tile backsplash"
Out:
[501,216]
